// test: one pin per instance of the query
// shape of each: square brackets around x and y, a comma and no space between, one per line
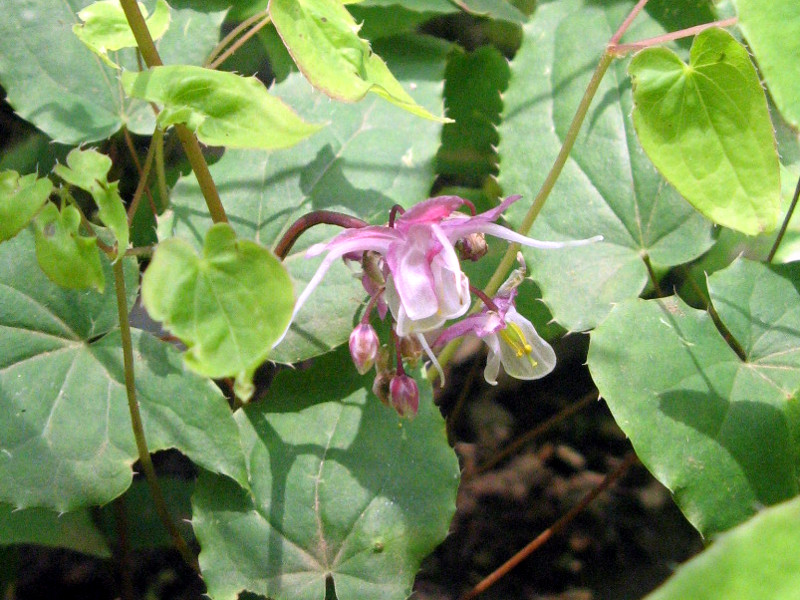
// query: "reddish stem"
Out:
[393,213]
[484,298]
[318,217]
[622,49]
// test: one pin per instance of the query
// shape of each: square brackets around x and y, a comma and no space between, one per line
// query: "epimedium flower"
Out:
[424,285]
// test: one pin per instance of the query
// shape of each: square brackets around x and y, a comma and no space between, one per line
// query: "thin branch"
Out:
[231,36]
[239,43]
[652,274]
[629,460]
[144,177]
[622,49]
[627,23]
[785,225]
[132,149]
[137,425]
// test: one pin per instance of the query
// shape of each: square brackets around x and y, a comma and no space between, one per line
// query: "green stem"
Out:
[189,142]
[136,421]
[240,42]
[144,176]
[652,274]
[785,225]
[161,175]
[223,43]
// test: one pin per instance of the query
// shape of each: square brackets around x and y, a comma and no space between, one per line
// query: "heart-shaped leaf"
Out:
[772,29]
[223,109]
[722,431]
[371,157]
[758,559]
[322,37]
[88,170]
[706,127]
[229,306]
[608,186]
[20,200]
[54,81]
[65,429]
[105,27]
[341,488]
[68,258]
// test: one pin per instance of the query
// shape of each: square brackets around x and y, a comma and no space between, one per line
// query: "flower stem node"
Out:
[404,395]
[364,345]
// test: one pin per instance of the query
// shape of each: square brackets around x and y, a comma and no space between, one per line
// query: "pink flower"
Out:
[425,285]
[512,340]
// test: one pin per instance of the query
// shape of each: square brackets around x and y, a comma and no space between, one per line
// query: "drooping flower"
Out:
[424,283]
[511,338]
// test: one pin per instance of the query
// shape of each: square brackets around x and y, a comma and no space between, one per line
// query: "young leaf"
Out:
[608,185]
[105,27]
[88,170]
[229,306]
[222,108]
[73,530]
[371,157]
[772,29]
[706,127]
[54,81]
[68,258]
[722,431]
[341,488]
[20,200]
[322,37]
[758,559]
[65,429]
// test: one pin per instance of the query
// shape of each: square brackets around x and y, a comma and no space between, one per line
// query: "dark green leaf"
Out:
[20,200]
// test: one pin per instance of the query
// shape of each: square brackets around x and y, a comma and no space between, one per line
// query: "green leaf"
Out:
[720,431]
[608,186]
[88,170]
[222,108]
[20,200]
[772,29]
[322,37]
[105,27]
[341,487]
[68,258]
[54,81]
[371,157]
[72,530]
[65,430]
[758,559]
[706,127]
[229,306]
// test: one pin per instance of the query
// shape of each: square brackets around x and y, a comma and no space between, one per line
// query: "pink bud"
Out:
[364,347]
[404,395]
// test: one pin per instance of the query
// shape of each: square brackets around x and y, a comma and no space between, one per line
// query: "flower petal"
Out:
[430,211]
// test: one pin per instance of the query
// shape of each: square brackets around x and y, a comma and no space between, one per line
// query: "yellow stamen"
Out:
[513,336]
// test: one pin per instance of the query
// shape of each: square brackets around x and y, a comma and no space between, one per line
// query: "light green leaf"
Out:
[105,27]
[72,530]
[719,430]
[371,157]
[758,559]
[65,431]
[68,258]
[608,186]
[229,306]
[341,488]
[322,37]
[54,81]
[222,108]
[772,29]
[20,200]
[706,127]
[88,170]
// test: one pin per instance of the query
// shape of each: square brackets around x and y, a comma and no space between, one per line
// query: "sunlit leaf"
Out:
[341,488]
[65,429]
[706,127]
[229,306]
[105,27]
[322,37]
[88,170]
[721,431]
[222,108]
[772,29]
[20,200]
[758,559]
[608,185]
[67,257]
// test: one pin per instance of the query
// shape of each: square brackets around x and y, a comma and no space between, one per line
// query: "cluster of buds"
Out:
[411,270]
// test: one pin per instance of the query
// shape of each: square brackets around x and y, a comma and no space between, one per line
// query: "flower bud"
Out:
[472,246]
[364,347]
[410,350]
[404,395]
[380,387]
